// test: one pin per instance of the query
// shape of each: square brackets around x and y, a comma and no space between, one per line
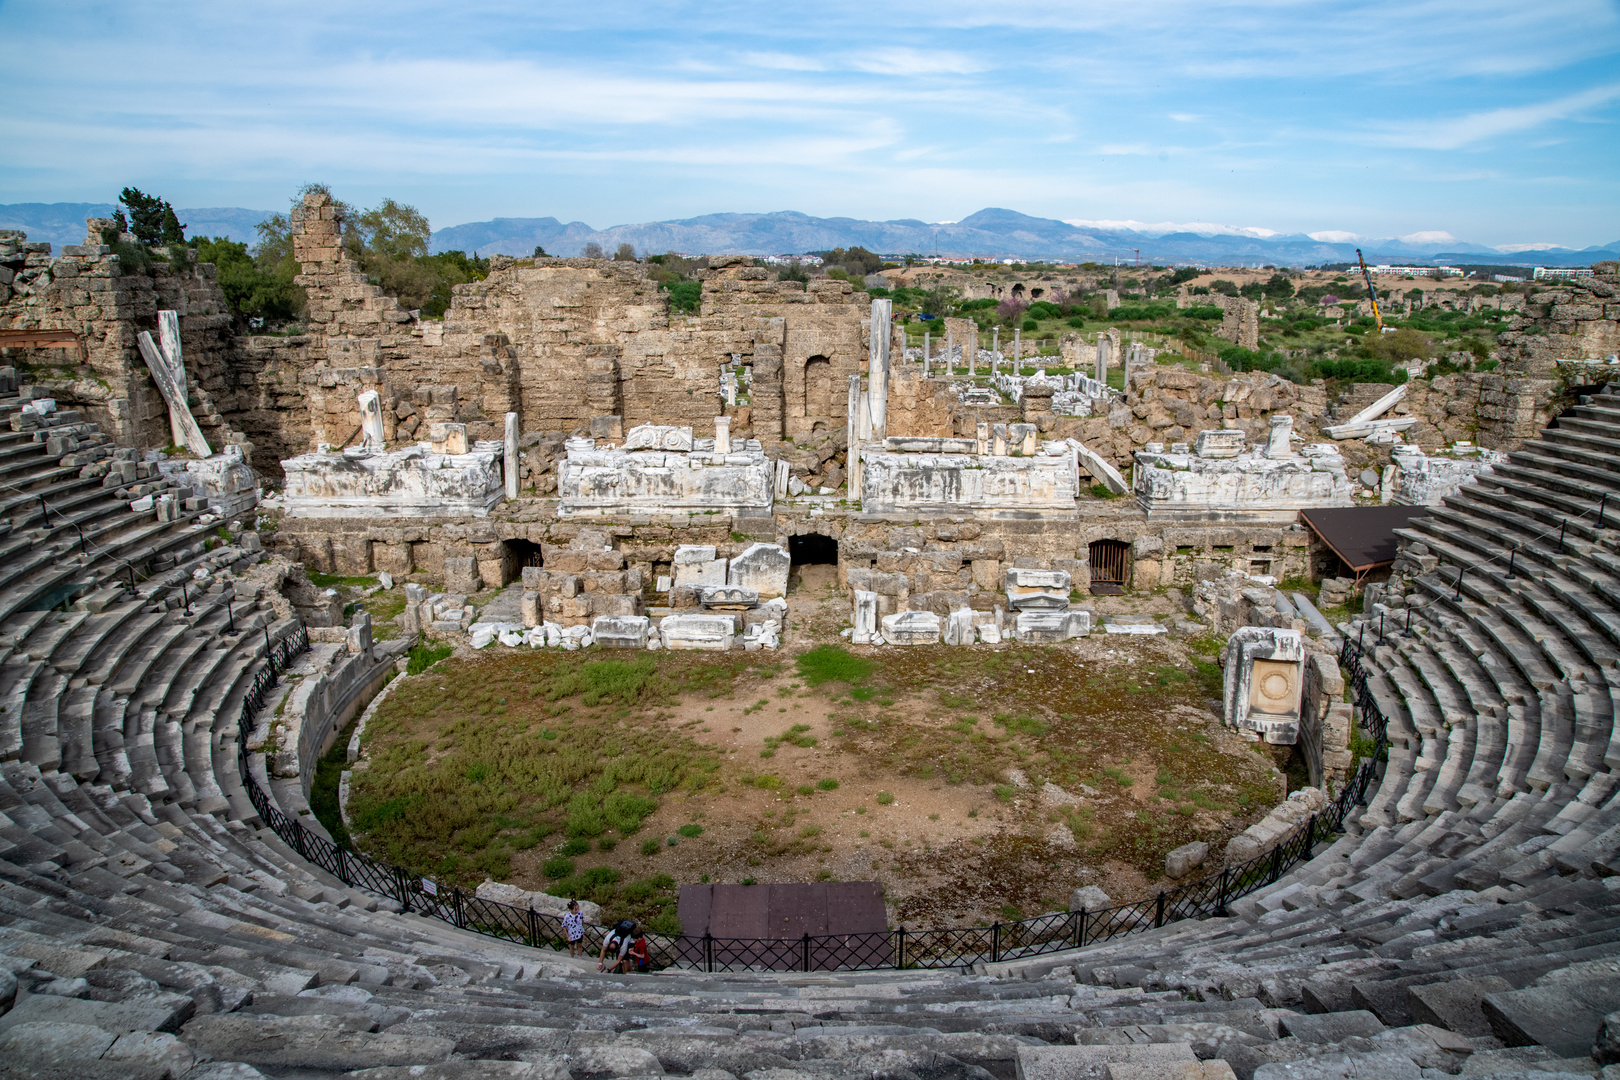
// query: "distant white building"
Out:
[1417,271]
[1544,272]
[791,260]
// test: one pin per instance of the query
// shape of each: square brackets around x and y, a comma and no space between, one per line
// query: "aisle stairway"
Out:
[150,926]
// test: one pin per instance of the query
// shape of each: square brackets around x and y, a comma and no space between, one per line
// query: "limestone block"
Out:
[695,631]
[1029,589]
[1089,898]
[410,482]
[1272,489]
[1185,859]
[762,568]
[371,419]
[531,609]
[865,618]
[911,628]
[358,639]
[1044,485]
[544,903]
[989,632]
[448,438]
[620,631]
[461,574]
[986,574]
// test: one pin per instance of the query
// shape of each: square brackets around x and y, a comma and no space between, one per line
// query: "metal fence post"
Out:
[1276,864]
[343,866]
[995,942]
[534,927]
[1220,908]
[804,952]
[708,952]
[900,948]
[1158,911]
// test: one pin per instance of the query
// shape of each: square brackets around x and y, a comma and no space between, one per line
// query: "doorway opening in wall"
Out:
[815,561]
[1110,565]
[515,555]
[818,387]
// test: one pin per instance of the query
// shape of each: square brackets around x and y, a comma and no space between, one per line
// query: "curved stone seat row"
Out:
[150,926]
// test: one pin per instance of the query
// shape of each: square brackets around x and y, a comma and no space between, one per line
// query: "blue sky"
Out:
[1492,120]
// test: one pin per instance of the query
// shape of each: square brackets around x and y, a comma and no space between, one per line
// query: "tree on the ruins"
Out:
[626,253]
[392,230]
[592,250]
[251,291]
[152,219]
[540,252]
[856,260]
[1279,287]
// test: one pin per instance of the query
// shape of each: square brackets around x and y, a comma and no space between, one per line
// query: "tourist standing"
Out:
[573,924]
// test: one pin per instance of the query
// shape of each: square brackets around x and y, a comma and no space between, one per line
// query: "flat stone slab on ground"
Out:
[1092,1062]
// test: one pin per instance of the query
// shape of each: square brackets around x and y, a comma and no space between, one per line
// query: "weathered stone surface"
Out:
[1029,589]
[595,482]
[1264,682]
[1043,485]
[1092,1062]
[1089,898]
[865,618]
[406,483]
[1051,626]
[620,631]
[761,567]
[911,628]
[1251,483]
[707,632]
[309,1042]
[1183,860]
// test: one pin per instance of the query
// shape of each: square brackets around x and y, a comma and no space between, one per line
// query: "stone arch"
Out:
[1018,291]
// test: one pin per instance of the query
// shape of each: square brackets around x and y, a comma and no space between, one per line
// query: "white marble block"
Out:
[761,567]
[1263,682]
[1227,443]
[1029,590]
[911,628]
[697,564]
[620,631]
[708,632]
[1051,626]
[371,419]
[865,618]
[959,627]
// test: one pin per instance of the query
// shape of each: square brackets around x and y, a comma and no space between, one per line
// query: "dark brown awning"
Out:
[1362,536]
[44,339]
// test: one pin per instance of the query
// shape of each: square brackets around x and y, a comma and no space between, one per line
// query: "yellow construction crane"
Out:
[1372,293]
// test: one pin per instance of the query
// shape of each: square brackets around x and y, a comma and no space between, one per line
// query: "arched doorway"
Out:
[1110,564]
[815,562]
[515,555]
[818,388]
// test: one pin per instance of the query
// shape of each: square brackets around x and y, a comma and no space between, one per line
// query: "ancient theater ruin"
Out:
[221,551]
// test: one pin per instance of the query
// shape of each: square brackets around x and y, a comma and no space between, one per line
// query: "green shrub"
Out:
[884,798]
[424,656]
[829,784]
[558,866]
[650,846]
[575,846]
[690,831]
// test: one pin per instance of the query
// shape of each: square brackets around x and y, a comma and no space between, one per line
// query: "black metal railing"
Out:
[901,948]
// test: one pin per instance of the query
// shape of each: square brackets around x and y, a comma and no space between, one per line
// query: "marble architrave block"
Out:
[1424,479]
[620,631]
[911,628]
[762,568]
[1279,443]
[727,596]
[722,434]
[1225,443]
[611,481]
[1046,590]
[1251,484]
[1263,682]
[410,482]
[713,633]
[1051,626]
[1042,486]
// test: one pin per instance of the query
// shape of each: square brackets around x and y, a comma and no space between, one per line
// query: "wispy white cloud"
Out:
[1452,133]
[904,61]
[782,61]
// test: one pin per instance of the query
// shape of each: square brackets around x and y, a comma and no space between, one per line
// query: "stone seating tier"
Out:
[150,925]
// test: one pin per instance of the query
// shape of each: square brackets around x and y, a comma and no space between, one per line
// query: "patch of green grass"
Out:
[828,784]
[424,656]
[558,866]
[833,663]
[884,798]
[650,846]
[690,831]
[323,790]
[332,581]
[1005,792]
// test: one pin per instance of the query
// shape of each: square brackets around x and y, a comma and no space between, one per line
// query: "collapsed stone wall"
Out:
[87,291]
[1565,319]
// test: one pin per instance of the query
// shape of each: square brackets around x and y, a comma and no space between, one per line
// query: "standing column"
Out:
[928,341]
[877,368]
[973,356]
[995,348]
[1018,344]
[510,461]
[1102,357]
[950,350]
[852,458]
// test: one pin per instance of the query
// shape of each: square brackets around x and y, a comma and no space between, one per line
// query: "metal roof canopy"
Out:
[1363,537]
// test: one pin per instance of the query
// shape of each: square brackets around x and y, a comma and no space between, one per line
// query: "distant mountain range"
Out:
[990,233]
